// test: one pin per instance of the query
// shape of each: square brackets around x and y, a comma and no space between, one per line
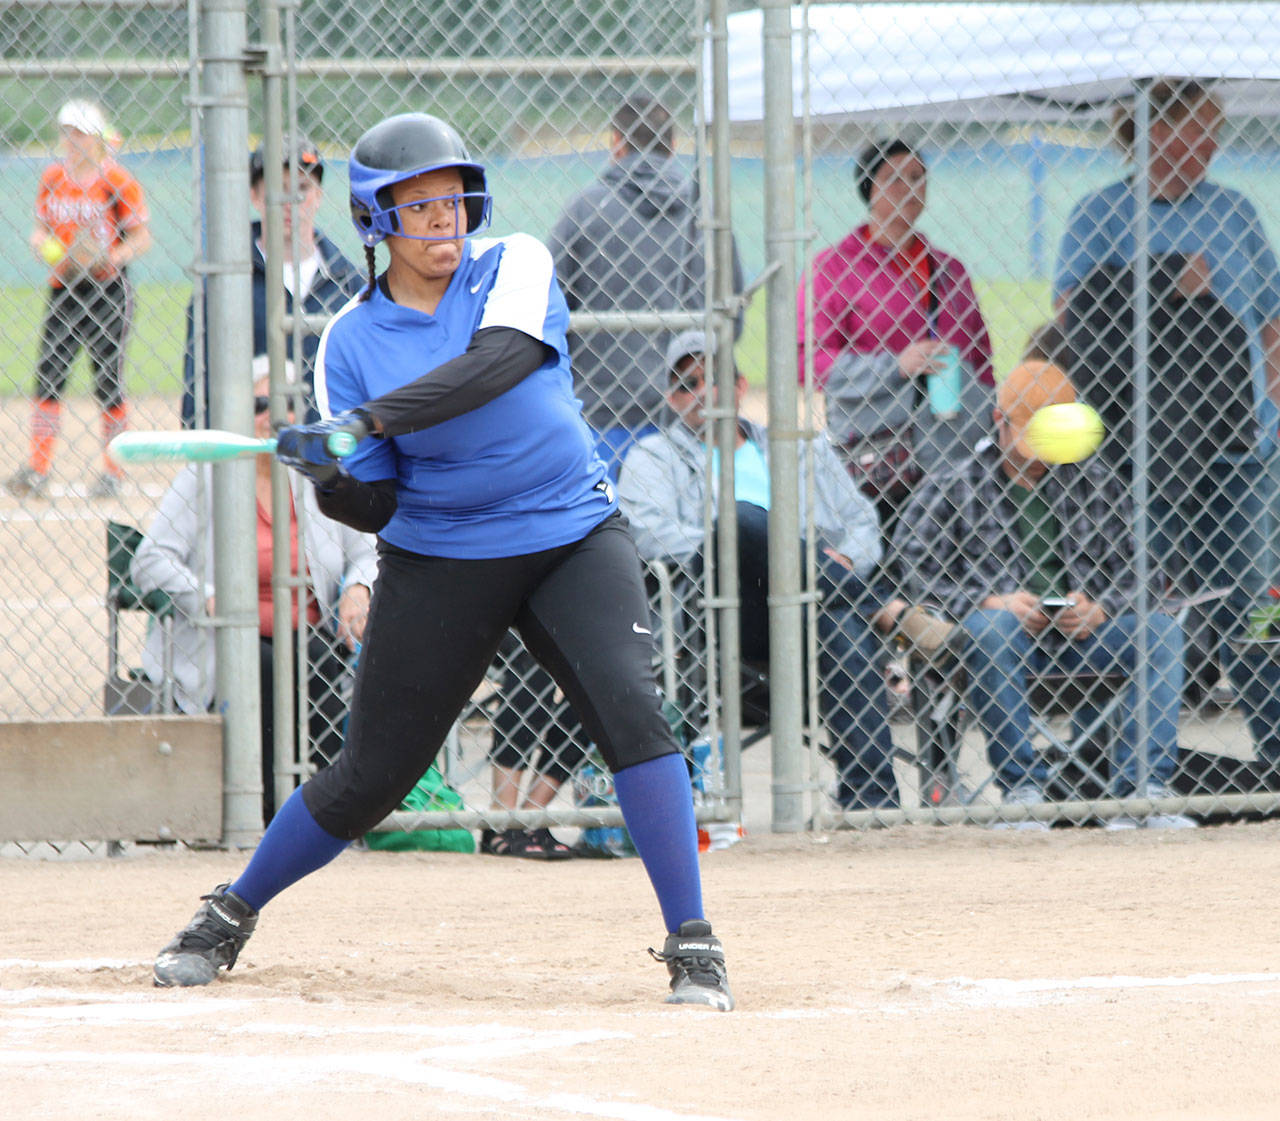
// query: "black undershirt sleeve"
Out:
[497,359]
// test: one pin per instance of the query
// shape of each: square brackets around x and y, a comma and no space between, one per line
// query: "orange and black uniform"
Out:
[89,309]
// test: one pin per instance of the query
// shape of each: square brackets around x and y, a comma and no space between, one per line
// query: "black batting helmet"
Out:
[400,148]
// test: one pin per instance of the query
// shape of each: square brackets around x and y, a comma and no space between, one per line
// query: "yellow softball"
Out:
[1065,433]
[52,251]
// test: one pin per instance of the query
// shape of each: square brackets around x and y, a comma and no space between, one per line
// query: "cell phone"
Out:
[1050,604]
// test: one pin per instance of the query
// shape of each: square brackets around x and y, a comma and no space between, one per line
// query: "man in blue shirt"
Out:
[1214,358]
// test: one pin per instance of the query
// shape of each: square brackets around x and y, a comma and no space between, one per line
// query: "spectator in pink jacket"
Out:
[889,310]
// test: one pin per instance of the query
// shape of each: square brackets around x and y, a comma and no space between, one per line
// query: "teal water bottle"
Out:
[943,384]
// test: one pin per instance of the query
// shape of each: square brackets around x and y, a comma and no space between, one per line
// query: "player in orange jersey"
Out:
[91,222]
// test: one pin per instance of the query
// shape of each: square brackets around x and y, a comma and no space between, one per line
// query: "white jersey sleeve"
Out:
[521,287]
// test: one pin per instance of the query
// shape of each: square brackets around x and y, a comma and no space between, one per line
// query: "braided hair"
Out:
[371,266]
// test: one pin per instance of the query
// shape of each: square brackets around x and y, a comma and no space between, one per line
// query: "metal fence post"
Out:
[785,645]
[285,586]
[224,51]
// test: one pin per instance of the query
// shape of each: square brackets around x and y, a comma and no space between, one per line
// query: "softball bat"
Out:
[204,445]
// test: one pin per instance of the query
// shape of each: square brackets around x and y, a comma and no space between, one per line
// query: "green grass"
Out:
[1012,308]
[153,360]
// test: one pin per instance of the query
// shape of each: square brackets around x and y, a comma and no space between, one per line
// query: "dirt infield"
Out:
[914,973]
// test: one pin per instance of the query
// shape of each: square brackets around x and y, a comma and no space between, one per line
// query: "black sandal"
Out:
[537,844]
[542,845]
[504,842]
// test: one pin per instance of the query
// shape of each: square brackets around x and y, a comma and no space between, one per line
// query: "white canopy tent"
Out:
[973,61]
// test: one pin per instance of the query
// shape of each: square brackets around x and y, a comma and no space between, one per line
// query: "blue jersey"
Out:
[515,476]
[1217,221]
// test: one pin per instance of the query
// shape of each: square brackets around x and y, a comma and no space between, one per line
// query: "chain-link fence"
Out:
[1043,193]
[65,297]
[537,98]
[928,197]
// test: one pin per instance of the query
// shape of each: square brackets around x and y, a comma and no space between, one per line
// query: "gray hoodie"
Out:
[629,242]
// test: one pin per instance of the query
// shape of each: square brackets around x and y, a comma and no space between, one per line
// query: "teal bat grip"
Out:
[341,444]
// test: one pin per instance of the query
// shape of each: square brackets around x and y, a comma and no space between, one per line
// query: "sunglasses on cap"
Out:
[689,377]
[688,383]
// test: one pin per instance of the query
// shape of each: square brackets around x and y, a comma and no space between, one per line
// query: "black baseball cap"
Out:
[305,156]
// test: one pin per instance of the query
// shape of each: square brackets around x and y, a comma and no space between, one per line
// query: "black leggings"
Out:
[532,730]
[92,314]
[434,626]
[327,706]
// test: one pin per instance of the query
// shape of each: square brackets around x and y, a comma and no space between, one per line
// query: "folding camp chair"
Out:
[1078,760]
[128,691]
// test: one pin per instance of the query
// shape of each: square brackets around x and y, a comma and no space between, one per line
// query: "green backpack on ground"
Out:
[430,793]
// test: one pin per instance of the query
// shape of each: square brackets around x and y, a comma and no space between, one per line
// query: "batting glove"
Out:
[307,447]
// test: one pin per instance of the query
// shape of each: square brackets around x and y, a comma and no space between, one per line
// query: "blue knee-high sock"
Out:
[292,847]
[658,807]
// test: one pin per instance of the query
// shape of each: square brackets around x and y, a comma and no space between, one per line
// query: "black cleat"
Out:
[27,481]
[209,942]
[695,960]
[106,485]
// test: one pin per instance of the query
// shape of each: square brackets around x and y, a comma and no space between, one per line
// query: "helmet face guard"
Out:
[373,223]
[400,148]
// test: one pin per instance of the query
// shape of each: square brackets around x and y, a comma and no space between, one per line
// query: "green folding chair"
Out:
[128,691]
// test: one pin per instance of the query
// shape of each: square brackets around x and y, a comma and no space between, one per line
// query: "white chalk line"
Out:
[1001,992]
[1115,981]
[383,1066]
[31,1009]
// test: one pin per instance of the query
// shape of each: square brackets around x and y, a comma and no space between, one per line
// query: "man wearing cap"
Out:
[662,488]
[326,278]
[1036,563]
[91,223]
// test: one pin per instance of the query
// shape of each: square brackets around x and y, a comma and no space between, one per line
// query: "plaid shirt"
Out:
[958,543]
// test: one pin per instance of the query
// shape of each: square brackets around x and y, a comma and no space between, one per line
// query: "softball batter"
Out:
[493,511]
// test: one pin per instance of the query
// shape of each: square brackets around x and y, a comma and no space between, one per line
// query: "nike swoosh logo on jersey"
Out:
[640,630]
[477,286]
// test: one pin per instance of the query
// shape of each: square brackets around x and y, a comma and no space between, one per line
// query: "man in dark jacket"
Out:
[328,278]
[630,242]
[1036,564]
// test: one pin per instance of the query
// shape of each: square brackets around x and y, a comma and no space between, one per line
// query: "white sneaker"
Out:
[1170,821]
[1118,824]
[1023,796]
[1166,820]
